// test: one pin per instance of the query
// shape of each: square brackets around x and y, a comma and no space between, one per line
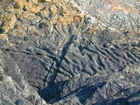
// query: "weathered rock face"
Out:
[120,14]
[14,88]
[65,52]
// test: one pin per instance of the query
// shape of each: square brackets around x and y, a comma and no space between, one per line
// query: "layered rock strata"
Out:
[69,52]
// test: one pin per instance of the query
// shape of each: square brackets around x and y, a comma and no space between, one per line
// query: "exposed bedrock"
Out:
[88,55]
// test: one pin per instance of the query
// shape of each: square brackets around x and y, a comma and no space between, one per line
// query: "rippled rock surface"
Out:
[61,52]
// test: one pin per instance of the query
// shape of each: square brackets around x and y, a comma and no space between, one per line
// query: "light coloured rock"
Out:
[33,8]
[9,22]
[91,20]
[4,37]
[68,55]
[36,20]
[33,1]
[9,9]
[48,1]
[20,3]
[53,9]
[27,16]
[18,33]
[44,13]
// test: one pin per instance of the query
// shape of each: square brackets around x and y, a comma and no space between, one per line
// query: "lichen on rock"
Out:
[9,21]
[63,53]
[4,37]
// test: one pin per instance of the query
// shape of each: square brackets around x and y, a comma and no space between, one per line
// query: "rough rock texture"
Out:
[79,52]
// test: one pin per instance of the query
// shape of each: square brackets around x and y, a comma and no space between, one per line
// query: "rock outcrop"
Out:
[62,52]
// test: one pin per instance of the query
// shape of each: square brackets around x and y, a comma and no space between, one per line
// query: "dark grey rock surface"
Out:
[73,66]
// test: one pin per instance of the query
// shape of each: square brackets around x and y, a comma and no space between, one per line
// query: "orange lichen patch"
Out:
[20,3]
[9,22]
[126,9]
[33,1]
[33,8]
[58,1]
[45,12]
[138,50]
[28,15]
[3,37]
[59,27]
[77,18]
[60,11]
[65,11]
[18,33]
[134,36]
[18,13]
[52,22]
[29,6]
[70,12]
[116,5]
[9,9]
[22,26]
[53,9]
[119,7]
[54,19]
[94,30]
[66,20]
